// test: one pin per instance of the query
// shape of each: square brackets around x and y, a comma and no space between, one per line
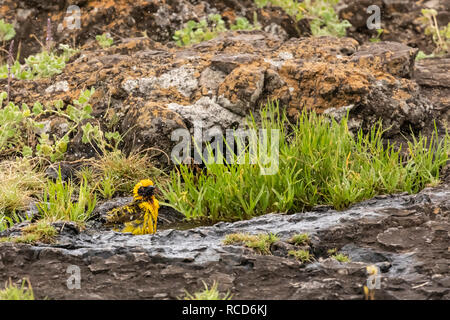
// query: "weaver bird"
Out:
[139,217]
[369,289]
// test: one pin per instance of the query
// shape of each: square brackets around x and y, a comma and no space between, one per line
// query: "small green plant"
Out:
[103,140]
[207,29]
[105,40]
[41,65]
[261,242]
[19,126]
[422,55]
[208,293]
[107,187]
[12,292]
[377,38]
[302,255]
[323,19]
[340,257]
[241,23]
[57,203]
[441,36]
[300,239]
[20,182]
[7,31]
[331,251]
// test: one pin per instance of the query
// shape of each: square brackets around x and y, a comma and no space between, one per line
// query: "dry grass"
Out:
[121,171]
[20,181]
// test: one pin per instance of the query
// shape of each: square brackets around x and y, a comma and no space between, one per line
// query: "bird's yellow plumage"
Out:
[139,217]
[369,293]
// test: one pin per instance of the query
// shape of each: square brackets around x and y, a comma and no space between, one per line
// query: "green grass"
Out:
[58,204]
[208,294]
[341,257]
[116,173]
[320,162]
[20,182]
[260,243]
[12,292]
[300,239]
[302,255]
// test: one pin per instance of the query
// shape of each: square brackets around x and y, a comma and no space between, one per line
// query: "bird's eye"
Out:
[141,191]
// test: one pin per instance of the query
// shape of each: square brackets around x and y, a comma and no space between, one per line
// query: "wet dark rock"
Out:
[281,248]
[367,255]
[434,79]
[67,171]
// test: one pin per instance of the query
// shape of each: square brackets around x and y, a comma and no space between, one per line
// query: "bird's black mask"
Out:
[146,192]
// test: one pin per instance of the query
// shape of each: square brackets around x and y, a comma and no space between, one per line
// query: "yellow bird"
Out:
[139,217]
[369,291]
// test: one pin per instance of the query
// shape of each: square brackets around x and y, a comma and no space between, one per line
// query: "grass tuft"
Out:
[341,257]
[300,239]
[260,243]
[12,292]
[57,203]
[208,294]
[301,255]
[115,172]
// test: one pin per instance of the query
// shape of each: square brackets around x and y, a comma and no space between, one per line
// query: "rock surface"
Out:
[150,90]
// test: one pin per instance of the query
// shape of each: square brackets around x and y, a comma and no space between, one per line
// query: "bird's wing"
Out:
[124,214]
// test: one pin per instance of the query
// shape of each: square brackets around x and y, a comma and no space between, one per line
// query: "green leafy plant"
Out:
[377,38]
[241,23]
[12,292]
[320,162]
[105,40]
[21,130]
[7,31]
[323,19]
[207,29]
[441,36]
[208,293]
[41,65]
[20,181]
